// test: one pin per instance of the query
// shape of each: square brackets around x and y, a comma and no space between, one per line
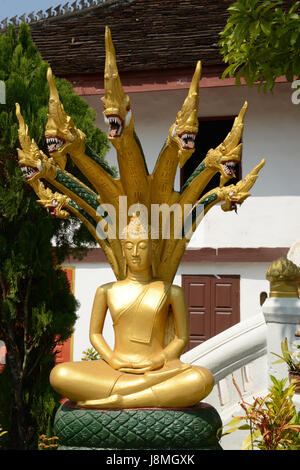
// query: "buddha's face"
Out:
[137,252]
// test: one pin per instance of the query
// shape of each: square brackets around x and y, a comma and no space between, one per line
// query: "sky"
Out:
[10,8]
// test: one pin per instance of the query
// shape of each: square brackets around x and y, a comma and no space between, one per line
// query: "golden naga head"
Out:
[117,112]
[185,128]
[52,202]
[61,134]
[31,158]
[234,195]
[227,155]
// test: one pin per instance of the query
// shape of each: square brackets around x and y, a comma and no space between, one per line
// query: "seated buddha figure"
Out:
[140,371]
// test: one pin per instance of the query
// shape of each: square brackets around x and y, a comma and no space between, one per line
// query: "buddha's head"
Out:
[137,246]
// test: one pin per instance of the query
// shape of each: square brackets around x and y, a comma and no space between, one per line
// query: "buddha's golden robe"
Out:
[139,326]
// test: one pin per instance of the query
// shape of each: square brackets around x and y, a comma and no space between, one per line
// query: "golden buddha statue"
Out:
[141,371]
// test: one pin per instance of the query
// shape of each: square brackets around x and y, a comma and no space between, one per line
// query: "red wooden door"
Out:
[198,298]
[64,350]
[225,311]
[213,305]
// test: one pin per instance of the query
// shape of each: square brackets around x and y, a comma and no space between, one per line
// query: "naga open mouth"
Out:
[115,125]
[51,209]
[54,143]
[233,205]
[229,168]
[30,171]
[187,141]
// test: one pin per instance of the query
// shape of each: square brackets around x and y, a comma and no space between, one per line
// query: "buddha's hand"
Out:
[118,364]
[155,362]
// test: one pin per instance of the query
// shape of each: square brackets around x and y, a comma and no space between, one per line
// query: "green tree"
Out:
[261,41]
[36,307]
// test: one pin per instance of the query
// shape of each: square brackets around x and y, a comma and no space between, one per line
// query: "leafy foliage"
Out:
[90,355]
[47,443]
[37,309]
[2,433]
[24,72]
[272,421]
[292,358]
[260,42]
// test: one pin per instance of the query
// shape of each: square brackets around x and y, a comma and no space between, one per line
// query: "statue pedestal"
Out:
[139,428]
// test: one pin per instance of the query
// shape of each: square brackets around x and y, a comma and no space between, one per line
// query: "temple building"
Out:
[158,45]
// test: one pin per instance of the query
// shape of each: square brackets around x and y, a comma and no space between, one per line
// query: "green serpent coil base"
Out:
[144,428]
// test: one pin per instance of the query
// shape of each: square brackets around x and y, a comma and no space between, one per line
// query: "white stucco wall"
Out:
[260,222]
[271,216]
[88,276]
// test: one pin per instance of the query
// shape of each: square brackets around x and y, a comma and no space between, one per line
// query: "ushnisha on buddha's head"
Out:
[137,245]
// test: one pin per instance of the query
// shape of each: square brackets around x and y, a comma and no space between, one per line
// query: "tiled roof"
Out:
[148,35]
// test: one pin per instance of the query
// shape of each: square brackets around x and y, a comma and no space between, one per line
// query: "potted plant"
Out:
[292,359]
